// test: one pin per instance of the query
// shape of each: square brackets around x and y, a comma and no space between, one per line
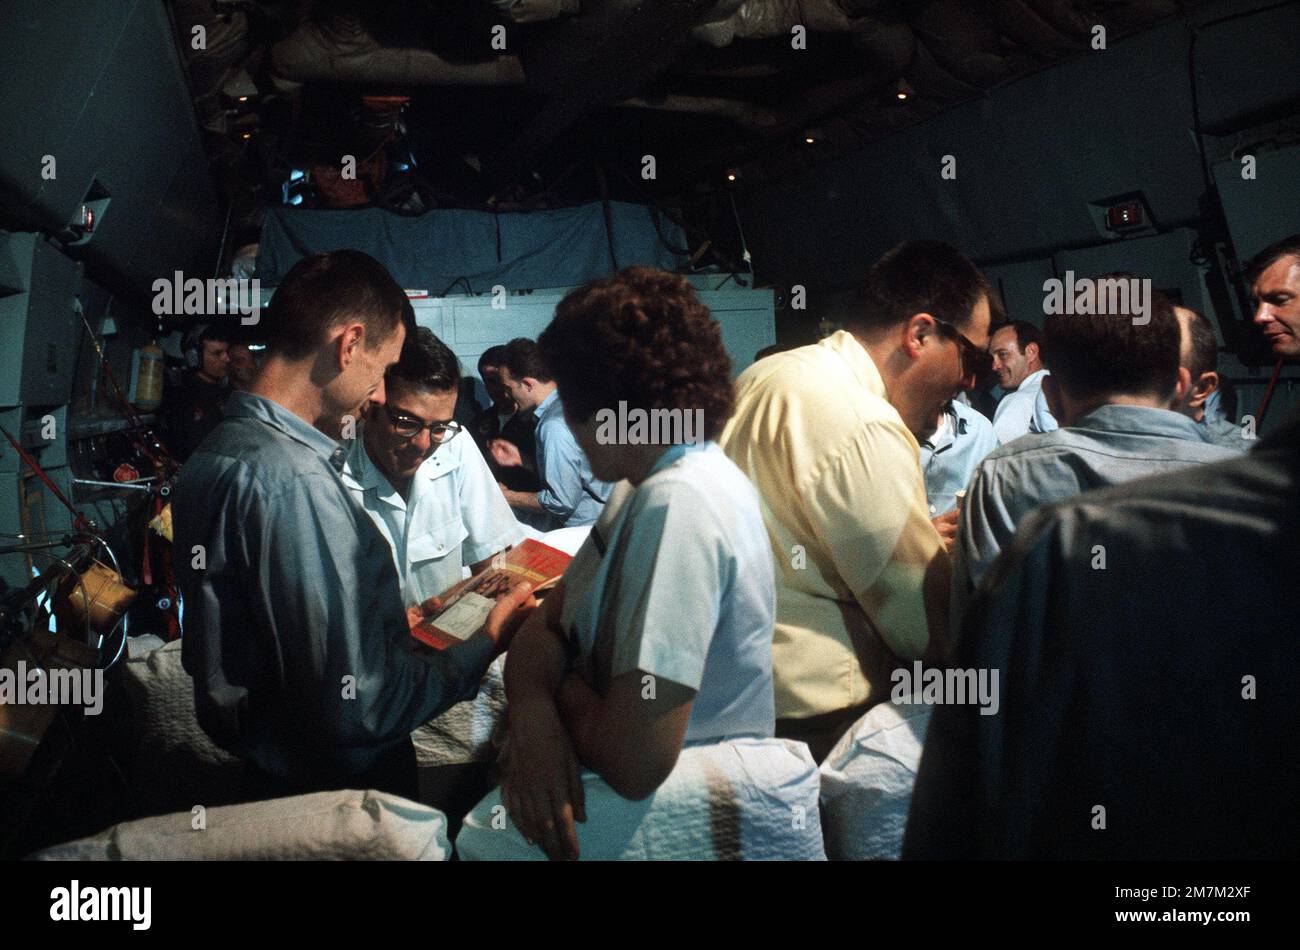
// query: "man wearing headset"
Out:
[192,408]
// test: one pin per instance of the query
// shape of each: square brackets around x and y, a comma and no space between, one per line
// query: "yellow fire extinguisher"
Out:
[149,379]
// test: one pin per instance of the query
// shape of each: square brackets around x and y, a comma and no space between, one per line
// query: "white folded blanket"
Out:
[463,734]
[343,825]
[867,780]
[171,761]
[746,799]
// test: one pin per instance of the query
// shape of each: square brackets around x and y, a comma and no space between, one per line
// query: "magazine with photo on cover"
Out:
[465,607]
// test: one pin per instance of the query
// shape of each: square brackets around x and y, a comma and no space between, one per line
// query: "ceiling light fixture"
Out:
[903,91]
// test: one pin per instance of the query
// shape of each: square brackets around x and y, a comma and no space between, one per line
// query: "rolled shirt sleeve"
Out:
[668,597]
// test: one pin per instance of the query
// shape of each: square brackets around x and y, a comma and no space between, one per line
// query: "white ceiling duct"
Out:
[340,49]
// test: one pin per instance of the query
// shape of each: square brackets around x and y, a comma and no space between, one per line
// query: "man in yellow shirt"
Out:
[825,434]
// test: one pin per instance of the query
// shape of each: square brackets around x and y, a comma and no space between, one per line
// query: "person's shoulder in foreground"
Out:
[1116,430]
[1144,634]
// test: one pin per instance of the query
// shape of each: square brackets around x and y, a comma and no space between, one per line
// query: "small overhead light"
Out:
[903,91]
[809,139]
[246,136]
[239,89]
[732,175]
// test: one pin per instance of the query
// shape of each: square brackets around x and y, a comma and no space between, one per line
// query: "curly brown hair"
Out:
[642,337]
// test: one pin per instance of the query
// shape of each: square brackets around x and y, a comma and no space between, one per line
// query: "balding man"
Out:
[1198,379]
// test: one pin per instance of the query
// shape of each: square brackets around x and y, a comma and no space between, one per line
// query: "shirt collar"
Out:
[245,405]
[1143,420]
[675,452]
[545,404]
[845,345]
[1033,381]
[951,425]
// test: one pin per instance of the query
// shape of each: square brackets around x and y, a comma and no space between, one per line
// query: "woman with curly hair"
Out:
[650,666]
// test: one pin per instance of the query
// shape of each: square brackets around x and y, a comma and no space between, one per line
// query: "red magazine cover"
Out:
[465,607]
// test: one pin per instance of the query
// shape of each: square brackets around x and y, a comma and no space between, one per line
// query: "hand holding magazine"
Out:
[465,607]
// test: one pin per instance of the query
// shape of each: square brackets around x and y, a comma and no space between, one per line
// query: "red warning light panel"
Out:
[1125,217]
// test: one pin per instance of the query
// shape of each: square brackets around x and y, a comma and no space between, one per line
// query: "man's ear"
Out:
[915,330]
[1031,352]
[349,342]
[1204,387]
[1182,389]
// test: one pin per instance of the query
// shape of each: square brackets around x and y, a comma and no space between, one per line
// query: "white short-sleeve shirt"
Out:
[683,589]
[1023,410]
[455,516]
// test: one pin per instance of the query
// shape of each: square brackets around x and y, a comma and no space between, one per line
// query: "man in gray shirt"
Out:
[1147,710]
[1112,378]
[294,627]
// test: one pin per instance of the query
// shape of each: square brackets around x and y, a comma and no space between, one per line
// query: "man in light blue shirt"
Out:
[295,632]
[1016,349]
[422,479]
[949,454]
[1111,381]
[571,496]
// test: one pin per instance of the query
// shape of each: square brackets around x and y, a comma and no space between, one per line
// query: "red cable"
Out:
[1268,394]
[79,520]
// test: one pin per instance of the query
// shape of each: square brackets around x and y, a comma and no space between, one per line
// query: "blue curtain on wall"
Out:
[557,248]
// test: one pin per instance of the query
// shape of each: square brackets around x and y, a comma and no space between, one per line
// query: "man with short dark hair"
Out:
[1016,348]
[570,496]
[502,419]
[1198,379]
[1274,280]
[192,408]
[422,480]
[1113,377]
[295,631]
[825,433]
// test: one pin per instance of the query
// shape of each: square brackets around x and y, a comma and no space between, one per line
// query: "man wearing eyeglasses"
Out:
[422,479]
[825,433]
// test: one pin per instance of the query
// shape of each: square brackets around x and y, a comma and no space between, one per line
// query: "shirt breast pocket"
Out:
[441,541]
